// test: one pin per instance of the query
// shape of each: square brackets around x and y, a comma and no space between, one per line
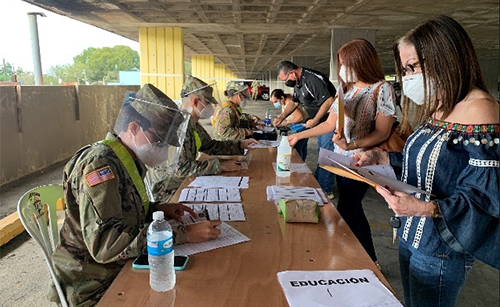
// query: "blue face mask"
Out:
[277,105]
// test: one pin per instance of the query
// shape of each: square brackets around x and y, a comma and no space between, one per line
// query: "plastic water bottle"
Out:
[160,254]
[284,158]
[268,119]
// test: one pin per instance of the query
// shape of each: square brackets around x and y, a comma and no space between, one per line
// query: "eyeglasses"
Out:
[157,143]
[411,69]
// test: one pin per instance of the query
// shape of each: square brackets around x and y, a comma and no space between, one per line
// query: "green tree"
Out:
[103,64]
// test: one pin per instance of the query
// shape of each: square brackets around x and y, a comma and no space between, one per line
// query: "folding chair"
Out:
[37,212]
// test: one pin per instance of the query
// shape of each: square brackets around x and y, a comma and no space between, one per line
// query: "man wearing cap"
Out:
[231,124]
[107,209]
[197,98]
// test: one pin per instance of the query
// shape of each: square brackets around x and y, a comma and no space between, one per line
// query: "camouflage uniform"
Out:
[105,222]
[189,166]
[105,225]
[230,121]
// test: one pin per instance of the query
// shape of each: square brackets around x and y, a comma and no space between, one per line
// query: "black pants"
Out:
[351,193]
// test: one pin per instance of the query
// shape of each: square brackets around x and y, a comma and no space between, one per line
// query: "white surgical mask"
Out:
[244,103]
[206,112]
[413,88]
[347,78]
[149,154]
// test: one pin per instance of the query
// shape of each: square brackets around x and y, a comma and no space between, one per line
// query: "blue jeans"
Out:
[432,281]
[324,177]
[301,147]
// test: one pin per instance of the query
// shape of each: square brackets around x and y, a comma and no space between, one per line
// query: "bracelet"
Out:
[355,145]
[436,213]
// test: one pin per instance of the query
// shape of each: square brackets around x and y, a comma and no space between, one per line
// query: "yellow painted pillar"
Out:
[220,79]
[203,67]
[162,59]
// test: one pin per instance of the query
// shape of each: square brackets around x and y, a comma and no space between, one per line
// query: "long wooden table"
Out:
[245,274]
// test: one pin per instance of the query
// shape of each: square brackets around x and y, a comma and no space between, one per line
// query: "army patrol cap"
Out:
[233,88]
[163,114]
[193,85]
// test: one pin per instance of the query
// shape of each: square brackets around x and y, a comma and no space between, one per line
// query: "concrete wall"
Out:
[43,125]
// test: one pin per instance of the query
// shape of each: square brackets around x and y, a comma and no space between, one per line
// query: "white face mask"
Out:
[347,78]
[207,111]
[413,88]
[243,103]
[149,154]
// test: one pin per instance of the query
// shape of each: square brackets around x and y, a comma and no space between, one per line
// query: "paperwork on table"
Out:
[265,144]
[352,288]
[374,175]
[297,168]
[220,182]
[206,195]
[224,212]
[229,236]
[276,192]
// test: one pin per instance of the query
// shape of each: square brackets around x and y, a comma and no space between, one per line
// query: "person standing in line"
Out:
[107,208]
[197,98]
[280,100]
[231,124]
[255,89]
[453,155]
[315,92]
[369,113]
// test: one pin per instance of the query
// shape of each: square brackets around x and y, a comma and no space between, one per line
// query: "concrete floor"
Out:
[25,277]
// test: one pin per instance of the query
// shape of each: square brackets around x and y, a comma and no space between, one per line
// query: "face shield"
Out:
[162,126]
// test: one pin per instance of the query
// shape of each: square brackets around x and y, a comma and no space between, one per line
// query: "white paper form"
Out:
[223,212]
[265,144]
[206,195]
[229,236]
[275,193]
[297,168]
[220,182]
[381,175]
[352,288]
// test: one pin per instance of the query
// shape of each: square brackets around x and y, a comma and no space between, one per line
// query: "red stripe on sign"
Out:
[99,176]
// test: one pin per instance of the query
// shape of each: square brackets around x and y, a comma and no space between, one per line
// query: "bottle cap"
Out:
[158,215]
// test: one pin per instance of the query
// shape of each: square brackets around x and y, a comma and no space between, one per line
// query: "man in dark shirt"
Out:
[316,93]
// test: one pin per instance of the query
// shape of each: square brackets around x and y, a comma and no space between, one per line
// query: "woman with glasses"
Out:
[453,155]
[369,115]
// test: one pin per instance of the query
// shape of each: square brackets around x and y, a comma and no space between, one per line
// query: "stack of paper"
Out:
[223,212]
[229,236]
[210,195]
[265,144]
[297,168]
[275,193]
[220,182]
[353,288]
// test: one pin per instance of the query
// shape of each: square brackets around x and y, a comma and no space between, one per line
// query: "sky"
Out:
[61,38]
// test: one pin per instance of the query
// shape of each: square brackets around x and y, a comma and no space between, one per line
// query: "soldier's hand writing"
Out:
[175,211]
[202,231]
[230,166]
[246,143]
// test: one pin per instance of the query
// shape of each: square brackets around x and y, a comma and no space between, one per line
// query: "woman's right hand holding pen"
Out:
[371,157]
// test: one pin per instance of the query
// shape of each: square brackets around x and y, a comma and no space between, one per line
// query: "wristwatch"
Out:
[436,213]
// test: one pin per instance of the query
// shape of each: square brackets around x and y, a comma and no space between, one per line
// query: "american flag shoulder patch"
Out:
[99,176]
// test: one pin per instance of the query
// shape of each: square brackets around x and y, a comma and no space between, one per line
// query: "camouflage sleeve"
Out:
[180,232]
[227,126]
[107,229]
[213,147]
[188,168]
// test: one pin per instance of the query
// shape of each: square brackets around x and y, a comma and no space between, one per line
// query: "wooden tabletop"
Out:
[245,274]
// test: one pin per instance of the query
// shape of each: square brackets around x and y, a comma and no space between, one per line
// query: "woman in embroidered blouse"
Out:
[453,154]
[369,116]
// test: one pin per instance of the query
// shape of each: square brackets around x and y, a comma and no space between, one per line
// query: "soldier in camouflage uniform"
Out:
[107,210]
[197,97]
[231,124]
